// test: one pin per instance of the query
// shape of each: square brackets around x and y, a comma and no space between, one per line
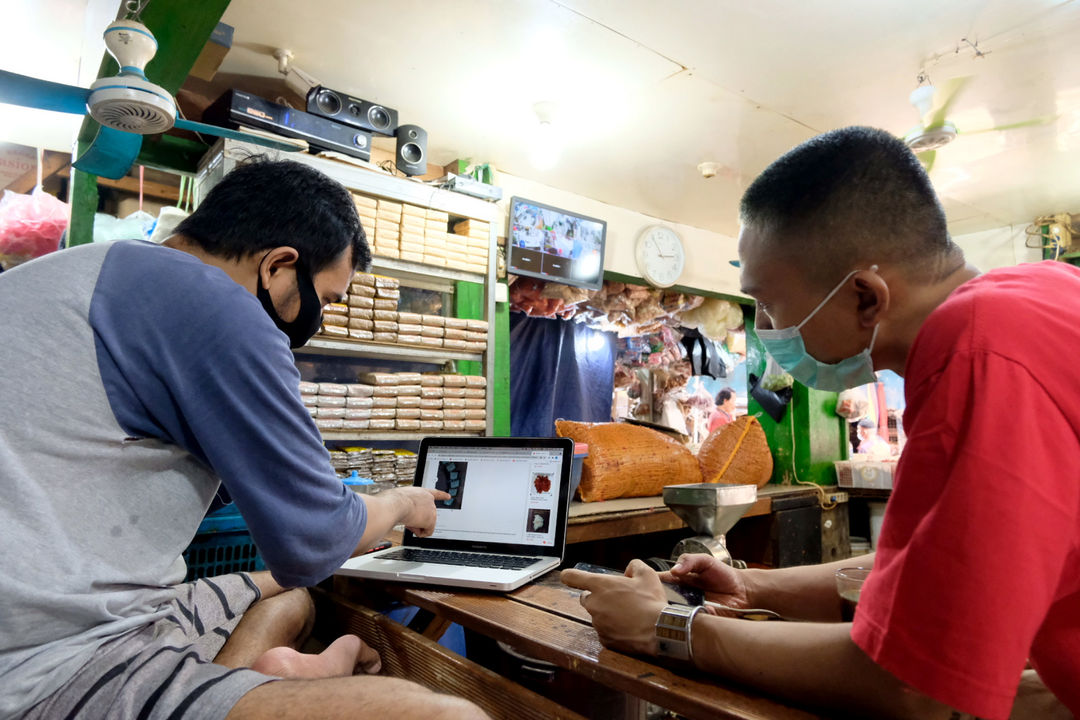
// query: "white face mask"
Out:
[788,349]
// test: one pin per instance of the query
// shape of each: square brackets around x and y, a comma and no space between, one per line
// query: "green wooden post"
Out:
[469,303]
[810,437]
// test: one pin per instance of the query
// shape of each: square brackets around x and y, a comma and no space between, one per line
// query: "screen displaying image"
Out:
[553,244]
[493,493]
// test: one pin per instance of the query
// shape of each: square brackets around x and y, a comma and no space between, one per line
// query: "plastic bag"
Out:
[30,226]
[136,226]
[852,404]
[773,391]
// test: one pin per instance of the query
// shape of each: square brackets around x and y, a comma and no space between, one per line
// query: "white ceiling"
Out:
[649,89]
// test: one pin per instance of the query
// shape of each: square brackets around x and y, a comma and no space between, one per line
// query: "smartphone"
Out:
[676,594]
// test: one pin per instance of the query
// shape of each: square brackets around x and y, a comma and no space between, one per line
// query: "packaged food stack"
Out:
[396,400]
[432,330]
[361,302]
[338,407]
[366,208]
[409,329]
[453,402]
[384,311]
[406,466]
[346,461]
[359,460]
[387,230]
[476,335]
[454,333]
[435,237]
[335,322]
[413,232]
[383,466]
[476,236]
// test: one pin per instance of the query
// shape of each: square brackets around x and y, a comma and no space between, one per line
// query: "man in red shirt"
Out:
[845,248]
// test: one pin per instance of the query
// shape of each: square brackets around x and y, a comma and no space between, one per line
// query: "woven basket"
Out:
[737,454]
[628,460]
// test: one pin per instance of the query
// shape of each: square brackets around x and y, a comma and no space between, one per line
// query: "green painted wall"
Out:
[810,437]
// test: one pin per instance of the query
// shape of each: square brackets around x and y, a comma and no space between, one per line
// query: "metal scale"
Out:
[711,510]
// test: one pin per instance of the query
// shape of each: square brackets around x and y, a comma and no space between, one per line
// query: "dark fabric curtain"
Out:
[559,370]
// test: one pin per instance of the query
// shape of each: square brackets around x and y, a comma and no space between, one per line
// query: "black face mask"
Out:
[309,318]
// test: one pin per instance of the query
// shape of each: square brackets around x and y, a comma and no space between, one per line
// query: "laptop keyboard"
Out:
[448,557]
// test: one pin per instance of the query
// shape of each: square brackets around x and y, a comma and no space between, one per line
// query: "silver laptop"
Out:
[505,521]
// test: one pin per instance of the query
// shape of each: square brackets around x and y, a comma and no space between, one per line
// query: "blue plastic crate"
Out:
[223,545]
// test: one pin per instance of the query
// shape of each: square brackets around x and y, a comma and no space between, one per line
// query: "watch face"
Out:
[660,256]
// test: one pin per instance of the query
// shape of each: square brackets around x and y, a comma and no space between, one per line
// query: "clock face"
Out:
[660,256]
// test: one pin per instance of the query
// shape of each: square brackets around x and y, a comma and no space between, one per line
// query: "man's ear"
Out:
[873,297]
[276,260]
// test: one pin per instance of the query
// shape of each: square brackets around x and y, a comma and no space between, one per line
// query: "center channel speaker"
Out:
[352,111]
[411,155]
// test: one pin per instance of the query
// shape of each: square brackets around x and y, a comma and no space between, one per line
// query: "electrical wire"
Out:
[823,499]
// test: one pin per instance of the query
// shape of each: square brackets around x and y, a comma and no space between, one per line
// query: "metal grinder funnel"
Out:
[710,509]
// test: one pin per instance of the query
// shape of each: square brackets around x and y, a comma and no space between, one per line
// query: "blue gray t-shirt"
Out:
[136,381]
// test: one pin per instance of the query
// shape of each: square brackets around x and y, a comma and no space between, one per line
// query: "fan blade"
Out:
[1045,120]
[205,129]
[943,99]
[927,159]
[111,154]
[31,92]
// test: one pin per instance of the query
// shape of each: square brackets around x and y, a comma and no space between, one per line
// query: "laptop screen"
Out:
[503,492]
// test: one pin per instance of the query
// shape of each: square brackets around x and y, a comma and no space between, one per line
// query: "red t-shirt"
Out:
[978,565]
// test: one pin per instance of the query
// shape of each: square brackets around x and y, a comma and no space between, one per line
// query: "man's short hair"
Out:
[724,394]
[265,204]
[850,197]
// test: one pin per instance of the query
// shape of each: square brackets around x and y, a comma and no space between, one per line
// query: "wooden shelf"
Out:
[383,351]
[405,269]
[370,435]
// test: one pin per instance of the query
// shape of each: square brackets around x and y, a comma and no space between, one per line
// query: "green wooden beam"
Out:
[469,303]
[182,28]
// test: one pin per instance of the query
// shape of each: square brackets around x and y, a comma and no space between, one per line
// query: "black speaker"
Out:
[411,155]
[352,111]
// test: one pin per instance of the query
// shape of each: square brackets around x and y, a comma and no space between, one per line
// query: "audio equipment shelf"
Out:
[227,153]
[382,351]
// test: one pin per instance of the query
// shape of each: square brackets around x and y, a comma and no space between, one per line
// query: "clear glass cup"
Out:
[849,582]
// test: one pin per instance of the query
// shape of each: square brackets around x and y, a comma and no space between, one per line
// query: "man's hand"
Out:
[624,610]
[721,582]
[418,509]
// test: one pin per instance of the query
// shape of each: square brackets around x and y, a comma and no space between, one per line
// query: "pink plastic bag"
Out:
[30,226]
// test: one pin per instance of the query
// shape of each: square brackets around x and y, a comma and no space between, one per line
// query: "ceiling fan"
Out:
[128,106]
[935,129]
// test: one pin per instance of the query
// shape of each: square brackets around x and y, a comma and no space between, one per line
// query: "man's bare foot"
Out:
[345,656]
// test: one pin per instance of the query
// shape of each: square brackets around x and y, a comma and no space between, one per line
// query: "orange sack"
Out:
[628,460]
[737,454]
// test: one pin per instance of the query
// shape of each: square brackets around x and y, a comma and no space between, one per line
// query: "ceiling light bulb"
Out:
[546,143]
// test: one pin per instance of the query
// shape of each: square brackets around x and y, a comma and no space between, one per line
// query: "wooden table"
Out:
[545,620]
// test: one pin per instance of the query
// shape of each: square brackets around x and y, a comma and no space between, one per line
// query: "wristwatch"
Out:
[673,631]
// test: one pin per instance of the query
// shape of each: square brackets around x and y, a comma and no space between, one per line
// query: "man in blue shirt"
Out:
[142,382]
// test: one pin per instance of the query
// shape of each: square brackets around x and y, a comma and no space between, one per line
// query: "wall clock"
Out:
[660,256]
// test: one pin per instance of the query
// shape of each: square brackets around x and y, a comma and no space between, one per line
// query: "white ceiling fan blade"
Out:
[1034,122]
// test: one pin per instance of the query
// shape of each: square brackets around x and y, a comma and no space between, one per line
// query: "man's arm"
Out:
[807,592]
[410,506]
[806,663]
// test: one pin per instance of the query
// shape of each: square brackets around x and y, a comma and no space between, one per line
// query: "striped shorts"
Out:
[165,670]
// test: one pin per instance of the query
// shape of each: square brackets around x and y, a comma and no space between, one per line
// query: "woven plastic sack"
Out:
[737,454]
[628,460]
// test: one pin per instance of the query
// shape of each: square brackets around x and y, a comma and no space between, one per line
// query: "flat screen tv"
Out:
[552,244]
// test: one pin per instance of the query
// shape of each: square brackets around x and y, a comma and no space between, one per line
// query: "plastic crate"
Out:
[223,545]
